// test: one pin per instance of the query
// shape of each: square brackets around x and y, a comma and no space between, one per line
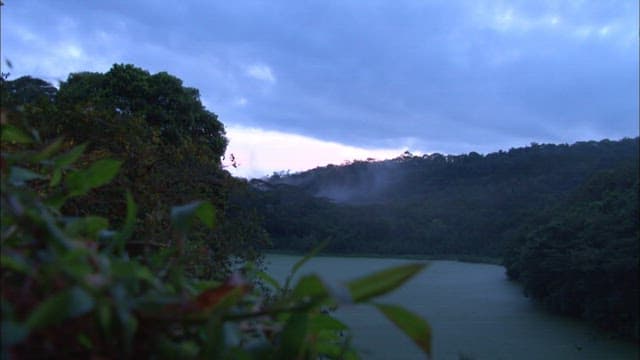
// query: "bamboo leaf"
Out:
[269,280]
[310,287]
[48,151]
[382,282]
[129,224]
[411,324]
[302,261]
[307,257]
[69,157]
[322,322]
[13,134]
[55,178]
[69,303]
[293,337]
[99,173]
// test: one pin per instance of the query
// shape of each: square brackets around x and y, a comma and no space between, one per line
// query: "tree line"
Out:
[170,145]
[562,218]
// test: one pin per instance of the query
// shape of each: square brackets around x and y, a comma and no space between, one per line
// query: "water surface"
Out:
[473,310]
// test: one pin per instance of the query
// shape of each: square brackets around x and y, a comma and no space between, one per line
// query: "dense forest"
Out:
[564,218]
[123,235]
[121,149]
[581,257]
[433,204]
[170,145]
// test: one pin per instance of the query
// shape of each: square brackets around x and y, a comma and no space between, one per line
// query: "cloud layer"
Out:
[448,76]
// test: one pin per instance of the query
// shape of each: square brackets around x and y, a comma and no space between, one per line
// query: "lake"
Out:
[473,311]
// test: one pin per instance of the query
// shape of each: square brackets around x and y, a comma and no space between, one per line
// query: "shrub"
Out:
[70,289]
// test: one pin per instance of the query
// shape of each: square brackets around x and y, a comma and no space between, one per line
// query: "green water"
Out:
[473,310]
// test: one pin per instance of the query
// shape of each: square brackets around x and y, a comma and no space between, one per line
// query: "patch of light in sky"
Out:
[261,152]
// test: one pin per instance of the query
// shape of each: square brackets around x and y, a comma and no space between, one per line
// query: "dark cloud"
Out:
[449,76]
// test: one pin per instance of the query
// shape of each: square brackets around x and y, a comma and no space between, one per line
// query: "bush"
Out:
[70,288]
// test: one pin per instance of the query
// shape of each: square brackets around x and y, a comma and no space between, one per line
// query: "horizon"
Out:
[299,87]
[400,155]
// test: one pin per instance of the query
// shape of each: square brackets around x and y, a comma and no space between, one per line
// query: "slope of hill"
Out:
[564,218]
[434,204]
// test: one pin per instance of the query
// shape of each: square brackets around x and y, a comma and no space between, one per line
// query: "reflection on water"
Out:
[473,310]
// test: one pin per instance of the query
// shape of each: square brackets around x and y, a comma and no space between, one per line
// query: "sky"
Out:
[300,84]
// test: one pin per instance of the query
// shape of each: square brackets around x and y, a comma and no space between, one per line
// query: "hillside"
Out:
[468,204]
[564,218]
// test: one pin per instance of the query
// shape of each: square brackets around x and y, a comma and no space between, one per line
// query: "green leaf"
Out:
[48,151]
[104,318]
[75,263]
[330,348]
[382,282]
[411,324]
[84,340]
[182,216]
[323,322]
[302,261]
[11,133]
[310,287]
[293,337]
[55,178]
[56,201]
[88,226]
[66,304]
[129,224]
[268,279]
[57,237]
[18,176]
[99,173]
[307,257]
[63,161]
[131,270]
[69,157]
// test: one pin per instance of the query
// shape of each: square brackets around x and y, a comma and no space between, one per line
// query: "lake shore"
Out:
[472,309]
[461,258]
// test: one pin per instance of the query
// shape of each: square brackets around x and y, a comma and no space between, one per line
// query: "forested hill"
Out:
[564,218]
[433,204]
[582,257]
[554,169]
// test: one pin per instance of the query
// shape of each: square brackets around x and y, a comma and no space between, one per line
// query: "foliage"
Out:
[70,288]
[563,217]
[169,146]
[434,204]
[582,258]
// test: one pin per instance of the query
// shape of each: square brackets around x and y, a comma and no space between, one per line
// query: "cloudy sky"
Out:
[305,83]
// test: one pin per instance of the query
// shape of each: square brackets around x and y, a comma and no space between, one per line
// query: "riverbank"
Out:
[461,258]
[471,308]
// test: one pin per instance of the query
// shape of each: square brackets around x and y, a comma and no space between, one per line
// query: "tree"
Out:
[170,145]
[165,105]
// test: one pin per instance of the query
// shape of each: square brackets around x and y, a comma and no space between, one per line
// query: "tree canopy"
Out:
[173,112]
[170,144]
[564,218]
